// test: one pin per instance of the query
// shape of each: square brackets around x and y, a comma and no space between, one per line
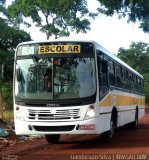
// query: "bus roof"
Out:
[98,46]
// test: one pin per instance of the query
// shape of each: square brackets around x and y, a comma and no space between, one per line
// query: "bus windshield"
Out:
[55,78]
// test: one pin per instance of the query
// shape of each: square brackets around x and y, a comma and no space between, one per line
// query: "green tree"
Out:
[53,17]
[134,10]
[6,87]
[146,87]
[10,36]
[137,56]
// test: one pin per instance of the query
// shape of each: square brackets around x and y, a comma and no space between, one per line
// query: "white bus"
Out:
[73,87]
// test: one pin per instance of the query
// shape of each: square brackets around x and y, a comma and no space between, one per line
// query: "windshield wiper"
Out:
[35,58]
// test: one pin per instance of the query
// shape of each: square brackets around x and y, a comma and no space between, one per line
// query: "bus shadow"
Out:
[123,138]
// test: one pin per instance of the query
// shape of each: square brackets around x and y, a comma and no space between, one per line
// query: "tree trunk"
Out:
[48,36]
[1,106]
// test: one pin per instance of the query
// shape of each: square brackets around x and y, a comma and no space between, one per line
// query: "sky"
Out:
[110,32]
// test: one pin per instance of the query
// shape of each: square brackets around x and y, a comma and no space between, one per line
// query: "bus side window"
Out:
[135,84]
[112,80]
[125,78]
[103,80]
[139,85]
[142,91]
[118,73]
[131,87]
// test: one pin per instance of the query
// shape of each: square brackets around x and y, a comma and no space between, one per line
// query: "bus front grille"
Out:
[54,128]
[53,114]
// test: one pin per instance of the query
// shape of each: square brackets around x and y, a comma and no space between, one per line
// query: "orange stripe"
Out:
[121,100]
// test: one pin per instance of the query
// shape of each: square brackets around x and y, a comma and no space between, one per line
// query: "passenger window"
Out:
[110,66]
[130,81]
[118,72]
[112,80]
[103,80]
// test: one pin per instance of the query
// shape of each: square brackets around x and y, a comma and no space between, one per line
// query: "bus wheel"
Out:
[108,135]
[52,138]
[134,124]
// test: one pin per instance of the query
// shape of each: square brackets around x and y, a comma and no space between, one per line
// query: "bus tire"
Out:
[108,135]
[52,138]
[134,124]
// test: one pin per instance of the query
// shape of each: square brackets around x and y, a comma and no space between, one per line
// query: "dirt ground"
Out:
[126,144]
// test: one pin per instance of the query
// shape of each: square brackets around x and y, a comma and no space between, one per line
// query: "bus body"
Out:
[92,91]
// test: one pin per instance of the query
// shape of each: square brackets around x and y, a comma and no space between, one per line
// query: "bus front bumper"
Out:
[89,126]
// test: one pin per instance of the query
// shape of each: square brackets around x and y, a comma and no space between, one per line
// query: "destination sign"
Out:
[60,49]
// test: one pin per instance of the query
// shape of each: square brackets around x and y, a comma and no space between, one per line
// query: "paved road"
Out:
[126,144]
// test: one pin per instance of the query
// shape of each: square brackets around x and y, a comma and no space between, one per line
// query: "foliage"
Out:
[8,115]
[6,91]
[146,87]
[6,87]
[135,10]
[137,56]
[10,37]
[58,17]
[10,34]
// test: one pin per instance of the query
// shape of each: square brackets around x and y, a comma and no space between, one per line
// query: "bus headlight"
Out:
[90,112]
[19,114]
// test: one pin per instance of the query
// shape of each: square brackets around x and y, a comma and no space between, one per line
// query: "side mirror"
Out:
[104,66]
[4,72]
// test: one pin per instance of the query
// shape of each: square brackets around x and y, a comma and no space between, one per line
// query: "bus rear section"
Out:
[121,93]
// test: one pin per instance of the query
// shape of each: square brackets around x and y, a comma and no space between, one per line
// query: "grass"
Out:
[8,116]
